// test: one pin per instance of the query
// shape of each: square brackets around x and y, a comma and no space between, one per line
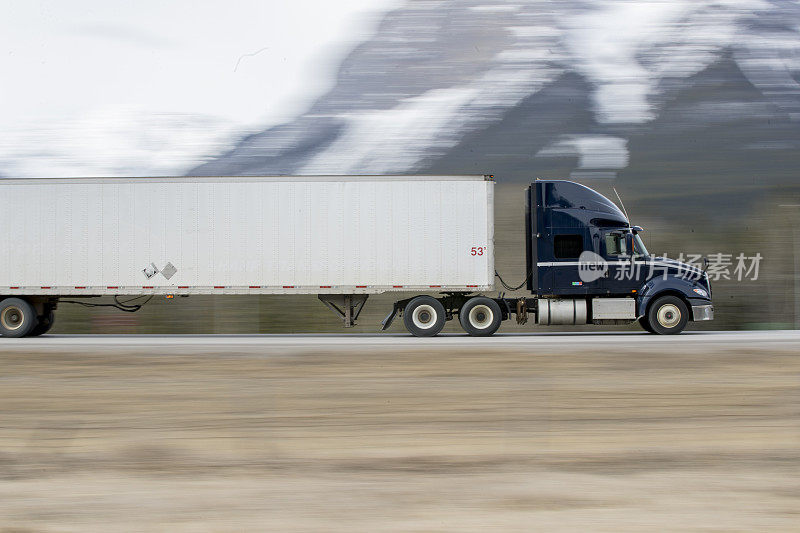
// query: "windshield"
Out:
[638,246]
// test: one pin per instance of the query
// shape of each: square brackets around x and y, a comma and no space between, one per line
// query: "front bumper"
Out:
[702,312]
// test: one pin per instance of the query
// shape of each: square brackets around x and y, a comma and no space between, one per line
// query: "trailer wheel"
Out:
[17,317]
[668,315]
[480,316]
[424,316]
[44,324]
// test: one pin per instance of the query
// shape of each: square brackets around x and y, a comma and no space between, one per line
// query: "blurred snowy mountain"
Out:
[589,88]
[663,91]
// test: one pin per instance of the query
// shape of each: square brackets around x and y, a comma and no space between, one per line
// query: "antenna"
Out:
[623,205]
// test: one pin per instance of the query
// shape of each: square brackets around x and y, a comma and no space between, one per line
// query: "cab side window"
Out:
[567,246]
[615,244]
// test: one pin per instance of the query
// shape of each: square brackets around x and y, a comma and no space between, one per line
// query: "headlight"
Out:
[701,292]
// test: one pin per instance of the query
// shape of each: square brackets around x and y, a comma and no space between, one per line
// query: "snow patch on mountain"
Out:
[118,141]
[604,43]
[593,151]
[628,48]
[398,139]
[495,8]
[378,140]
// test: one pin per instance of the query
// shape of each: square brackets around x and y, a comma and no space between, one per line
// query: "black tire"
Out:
[44,324]
[17,317]
[424,316]
[643,321]
[668,315]
[480,316]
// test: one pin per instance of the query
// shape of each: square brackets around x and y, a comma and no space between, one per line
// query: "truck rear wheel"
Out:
[424,316]
[17,317]
[44,324]
[668,315]
[480,316]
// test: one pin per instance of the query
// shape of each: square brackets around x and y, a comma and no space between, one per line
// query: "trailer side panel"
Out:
[253,235]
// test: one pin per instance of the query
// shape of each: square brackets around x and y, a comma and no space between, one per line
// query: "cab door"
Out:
[626,273]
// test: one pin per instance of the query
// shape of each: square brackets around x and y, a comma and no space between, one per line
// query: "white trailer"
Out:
[341,237]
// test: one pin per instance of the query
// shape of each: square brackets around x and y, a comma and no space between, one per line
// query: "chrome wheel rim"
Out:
[481,316]
[669,315]
[12,318]
[424,316]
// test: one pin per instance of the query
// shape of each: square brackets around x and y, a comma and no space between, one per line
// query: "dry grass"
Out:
[427,440]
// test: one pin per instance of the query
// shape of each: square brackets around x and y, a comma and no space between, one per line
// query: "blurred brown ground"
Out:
[279,439]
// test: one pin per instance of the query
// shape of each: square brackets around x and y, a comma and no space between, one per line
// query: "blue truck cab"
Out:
[584,258]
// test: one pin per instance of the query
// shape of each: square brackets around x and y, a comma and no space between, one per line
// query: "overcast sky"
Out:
[251,61]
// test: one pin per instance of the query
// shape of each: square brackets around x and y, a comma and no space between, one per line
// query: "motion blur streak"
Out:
[625,436]
[688,107]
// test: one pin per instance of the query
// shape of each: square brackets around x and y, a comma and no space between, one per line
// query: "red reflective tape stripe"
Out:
[288,286]
[471,285]
[435,285]
[397,286]
[324,286]
[255,286]
[77,287]
[147,286]
[183,286]
[13,287]
[219,286]
[361,286]
[110,287]
[46,287]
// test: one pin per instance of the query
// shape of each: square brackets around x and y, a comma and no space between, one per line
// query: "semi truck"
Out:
[342,238]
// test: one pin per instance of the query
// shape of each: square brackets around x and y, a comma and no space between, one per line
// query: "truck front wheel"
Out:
[424,316]
[668,315]
[480,316]
[17,317]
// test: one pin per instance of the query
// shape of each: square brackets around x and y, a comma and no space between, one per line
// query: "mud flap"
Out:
[389,318]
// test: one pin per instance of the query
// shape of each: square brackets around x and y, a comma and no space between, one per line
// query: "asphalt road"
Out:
[395,340]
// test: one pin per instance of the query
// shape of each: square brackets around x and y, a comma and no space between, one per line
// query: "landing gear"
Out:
[346,306]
